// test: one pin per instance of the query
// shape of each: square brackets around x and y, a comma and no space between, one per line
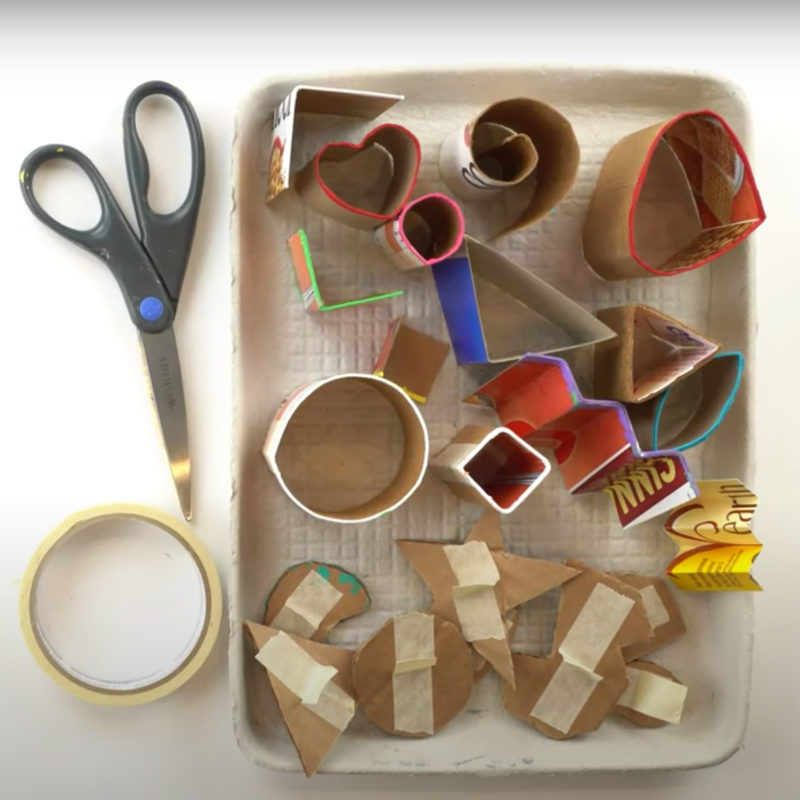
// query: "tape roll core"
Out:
[161,686]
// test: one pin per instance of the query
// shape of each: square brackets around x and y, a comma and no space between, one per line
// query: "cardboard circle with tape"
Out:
[348,448]
[144,609]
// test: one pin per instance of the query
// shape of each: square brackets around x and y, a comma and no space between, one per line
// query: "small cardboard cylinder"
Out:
[520,137]
[646,172]
[428,230]
[390,148]
[409,474]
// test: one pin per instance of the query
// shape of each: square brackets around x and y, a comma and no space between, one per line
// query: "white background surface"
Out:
[77,428]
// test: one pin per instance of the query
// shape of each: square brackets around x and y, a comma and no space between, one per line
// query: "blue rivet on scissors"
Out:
[151,309]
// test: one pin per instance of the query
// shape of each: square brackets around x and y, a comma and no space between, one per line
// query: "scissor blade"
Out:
[166,390]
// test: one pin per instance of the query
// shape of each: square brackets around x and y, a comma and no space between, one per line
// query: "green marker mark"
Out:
[324,570]
[355,584]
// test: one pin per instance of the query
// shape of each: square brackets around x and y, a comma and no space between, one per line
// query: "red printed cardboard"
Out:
[316,100]
[671,198]
[592,440]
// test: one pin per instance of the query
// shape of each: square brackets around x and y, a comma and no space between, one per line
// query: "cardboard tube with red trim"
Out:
[671,198]
[340,456]
[428,230]
[362,184]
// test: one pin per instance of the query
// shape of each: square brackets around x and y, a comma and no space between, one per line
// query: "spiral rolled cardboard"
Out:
[506,144]
[670,198]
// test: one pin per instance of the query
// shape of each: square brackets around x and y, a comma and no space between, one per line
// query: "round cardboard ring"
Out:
[82,520]
[412,467]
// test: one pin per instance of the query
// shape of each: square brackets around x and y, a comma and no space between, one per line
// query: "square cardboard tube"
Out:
[491,466]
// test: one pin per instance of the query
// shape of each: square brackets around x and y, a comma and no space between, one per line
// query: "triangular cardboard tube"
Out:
[312,736]
[650,353]
[410,359]
[509,142]
[366,183]
[308,282]
[359,105]
[592,440]
[671,198]
[716,546]
[427,230]
[496,310]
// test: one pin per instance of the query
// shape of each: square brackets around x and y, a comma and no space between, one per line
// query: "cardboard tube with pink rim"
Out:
[428,230]
[348,448]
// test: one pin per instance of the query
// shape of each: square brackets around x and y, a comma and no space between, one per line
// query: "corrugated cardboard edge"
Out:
[236,645]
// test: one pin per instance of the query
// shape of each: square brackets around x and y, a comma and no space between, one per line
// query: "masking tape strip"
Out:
[411,471]
[295,668]
[654,608]
[184,671]
[474,598]
[565,696]
[412,680]
[335,706]
[595,627]
[305,608]
[472,564]
[654,695]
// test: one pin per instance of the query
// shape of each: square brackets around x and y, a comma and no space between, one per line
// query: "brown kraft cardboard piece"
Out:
[654,697]
[574,689]
[476,583]
[311,598]
[414,675]
[411,359]
[313,686]
[662,612]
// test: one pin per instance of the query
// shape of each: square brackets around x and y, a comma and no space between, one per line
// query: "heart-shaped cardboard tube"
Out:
[429,229]
[366,183]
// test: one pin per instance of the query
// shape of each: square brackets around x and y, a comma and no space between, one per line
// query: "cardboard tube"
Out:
[79,522]
[503,146]
[494,467]
[411,468]
[362,184]
[428,230]
[670,198]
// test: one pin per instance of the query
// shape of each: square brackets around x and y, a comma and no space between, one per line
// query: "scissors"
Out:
[148,268]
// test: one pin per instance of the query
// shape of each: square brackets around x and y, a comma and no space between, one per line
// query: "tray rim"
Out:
[264,758]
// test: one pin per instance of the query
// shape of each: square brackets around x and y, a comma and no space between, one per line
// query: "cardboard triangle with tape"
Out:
[313,686]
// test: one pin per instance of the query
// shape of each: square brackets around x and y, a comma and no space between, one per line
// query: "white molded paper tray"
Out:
[278,347]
